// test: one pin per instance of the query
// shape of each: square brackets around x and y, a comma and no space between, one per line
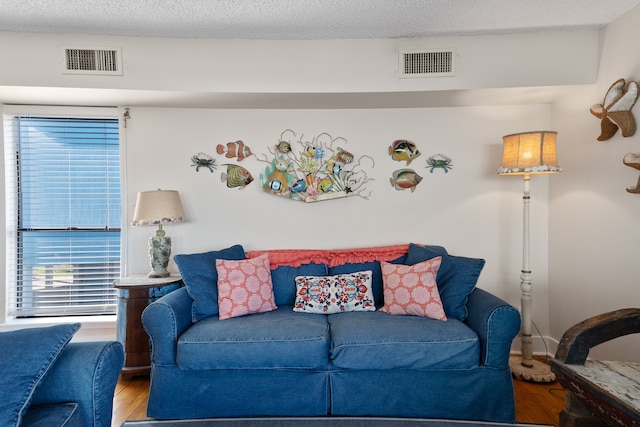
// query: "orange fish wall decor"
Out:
[234,150]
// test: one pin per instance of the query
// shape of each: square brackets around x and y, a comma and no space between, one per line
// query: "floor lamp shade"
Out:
[158,207]
[527,154]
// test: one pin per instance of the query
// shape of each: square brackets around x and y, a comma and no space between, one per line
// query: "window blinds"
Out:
[63,208]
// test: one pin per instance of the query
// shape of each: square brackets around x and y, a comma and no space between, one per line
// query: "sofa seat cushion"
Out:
[377,340]
[63,415]
[274,339]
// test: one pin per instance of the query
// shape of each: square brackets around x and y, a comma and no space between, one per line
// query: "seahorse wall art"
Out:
[615,110]
[314,170]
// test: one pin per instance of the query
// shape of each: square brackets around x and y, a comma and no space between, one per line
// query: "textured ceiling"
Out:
[306,19]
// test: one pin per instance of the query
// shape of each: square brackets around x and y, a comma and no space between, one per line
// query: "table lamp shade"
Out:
[529,153]
[158,207]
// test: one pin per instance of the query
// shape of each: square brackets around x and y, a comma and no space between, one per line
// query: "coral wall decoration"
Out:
[615,111]
[314,170]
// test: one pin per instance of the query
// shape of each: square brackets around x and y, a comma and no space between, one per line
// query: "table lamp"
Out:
[158,207]
[527,154]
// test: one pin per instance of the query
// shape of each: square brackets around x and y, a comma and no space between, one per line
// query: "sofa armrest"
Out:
[85,373]
[165,320]
[496,323]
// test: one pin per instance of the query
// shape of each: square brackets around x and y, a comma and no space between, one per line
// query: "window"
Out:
[63,213]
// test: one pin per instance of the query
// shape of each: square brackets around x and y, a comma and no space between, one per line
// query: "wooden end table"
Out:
[598,393]
[135,293]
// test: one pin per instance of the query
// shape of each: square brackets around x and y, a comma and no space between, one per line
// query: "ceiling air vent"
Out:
[427,63]
[93,61]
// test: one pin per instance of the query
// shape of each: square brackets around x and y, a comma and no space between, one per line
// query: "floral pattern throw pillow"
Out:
[334,294]
[244,287]
[412,290]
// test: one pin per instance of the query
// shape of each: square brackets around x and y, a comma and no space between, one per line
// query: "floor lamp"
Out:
[527,154]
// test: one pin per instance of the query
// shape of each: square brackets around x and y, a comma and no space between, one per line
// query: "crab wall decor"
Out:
[314,170]
[439,161]
[615,110]
[203,160]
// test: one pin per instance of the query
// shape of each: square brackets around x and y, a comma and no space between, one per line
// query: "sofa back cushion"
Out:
[284,280]
[456,278]
[376,277]
[200,277]
[374,266]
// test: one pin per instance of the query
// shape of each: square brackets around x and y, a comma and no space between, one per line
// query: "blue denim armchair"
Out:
[79,387]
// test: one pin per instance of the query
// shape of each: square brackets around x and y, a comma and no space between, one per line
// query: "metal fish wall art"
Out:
[236,176]
[405,179]
[403,150]
[313,170]
[234,150]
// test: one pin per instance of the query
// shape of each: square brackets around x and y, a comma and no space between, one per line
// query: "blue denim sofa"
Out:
[285,363]
[49,381]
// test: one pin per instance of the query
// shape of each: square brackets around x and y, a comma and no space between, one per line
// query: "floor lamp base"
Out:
[539,372]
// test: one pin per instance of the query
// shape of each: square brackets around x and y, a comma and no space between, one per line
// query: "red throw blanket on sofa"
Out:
[332,257]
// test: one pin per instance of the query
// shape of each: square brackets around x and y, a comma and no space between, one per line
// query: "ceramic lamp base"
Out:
[155,274]
[159,254]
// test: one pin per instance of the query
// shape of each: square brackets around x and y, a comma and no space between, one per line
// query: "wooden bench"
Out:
[598,393]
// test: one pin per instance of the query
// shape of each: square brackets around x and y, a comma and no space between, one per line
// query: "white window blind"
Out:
[63,212]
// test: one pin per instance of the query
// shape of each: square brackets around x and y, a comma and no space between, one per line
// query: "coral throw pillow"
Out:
[334,294]
[244,287]
[412,289]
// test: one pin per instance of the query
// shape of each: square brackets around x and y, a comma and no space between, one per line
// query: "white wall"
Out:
[594,242]
[470,210]
[278,66]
